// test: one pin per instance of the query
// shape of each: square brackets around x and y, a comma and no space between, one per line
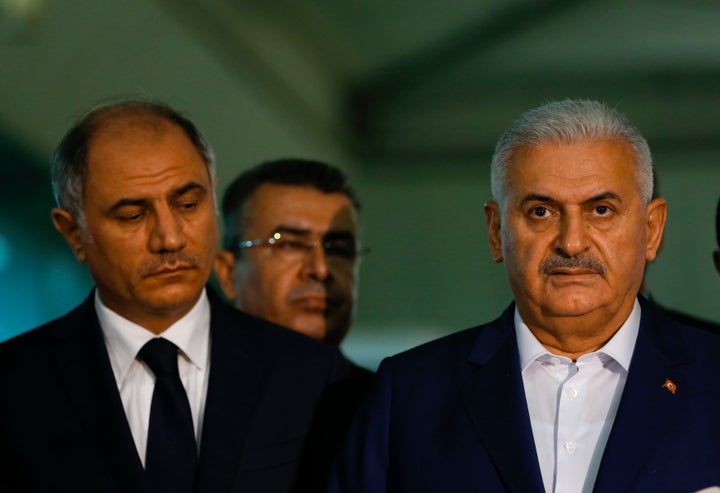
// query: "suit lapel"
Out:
[84,370]
[495,400]
[647,409]
[233,389]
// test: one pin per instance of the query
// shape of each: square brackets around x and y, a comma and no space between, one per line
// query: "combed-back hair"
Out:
[287,171]
[567,122]
[69,161]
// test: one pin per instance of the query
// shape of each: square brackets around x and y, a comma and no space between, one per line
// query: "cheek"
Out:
[206,239]
[345,278]
[516,250]
[117,268]
[269,283]
[523,254]
[628,262]
[115,255]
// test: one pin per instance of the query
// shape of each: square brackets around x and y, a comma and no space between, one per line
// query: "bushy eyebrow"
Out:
[536,197]
[603,196]
[189,187]
[292,230]
[174,194]
[331,234]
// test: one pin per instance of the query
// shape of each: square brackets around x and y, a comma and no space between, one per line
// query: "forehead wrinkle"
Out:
[536,197]
[145,201]
[604,196]
[188,187]
[306,232]
[292,230]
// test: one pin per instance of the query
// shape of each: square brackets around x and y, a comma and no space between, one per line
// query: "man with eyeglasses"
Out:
[291,255]
[153,383]
[291,250]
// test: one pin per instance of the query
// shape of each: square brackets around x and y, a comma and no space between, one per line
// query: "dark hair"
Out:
[69,161]
[288,171]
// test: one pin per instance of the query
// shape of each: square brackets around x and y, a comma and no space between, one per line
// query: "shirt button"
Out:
[570,447]
[572,392]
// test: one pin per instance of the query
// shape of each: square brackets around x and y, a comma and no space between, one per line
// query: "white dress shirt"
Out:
[572,405]
[136,381]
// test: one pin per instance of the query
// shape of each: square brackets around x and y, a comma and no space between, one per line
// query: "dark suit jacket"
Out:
[331,422]
[63,428]
[451,415]
[687,319]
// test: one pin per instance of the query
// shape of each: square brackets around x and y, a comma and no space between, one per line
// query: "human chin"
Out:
[571,302]
[310,323]
[174,290]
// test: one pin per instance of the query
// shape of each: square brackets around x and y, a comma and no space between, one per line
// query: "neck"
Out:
[570,347]
[153,319]
[574,336]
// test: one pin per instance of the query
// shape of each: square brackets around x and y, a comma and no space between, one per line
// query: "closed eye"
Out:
[130,217]
[290,245]
[188,206]
[342,248]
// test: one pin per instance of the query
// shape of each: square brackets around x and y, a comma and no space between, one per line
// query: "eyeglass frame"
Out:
[308,246]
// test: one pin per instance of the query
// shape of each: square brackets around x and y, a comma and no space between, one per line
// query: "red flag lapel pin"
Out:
[670,385]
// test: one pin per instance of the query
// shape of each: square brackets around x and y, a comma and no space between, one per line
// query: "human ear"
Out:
[225,272]
[656,215]
[69,227]
[492,219]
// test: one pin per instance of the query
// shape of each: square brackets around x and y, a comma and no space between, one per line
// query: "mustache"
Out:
[587,262]
[313,289]
[171,260]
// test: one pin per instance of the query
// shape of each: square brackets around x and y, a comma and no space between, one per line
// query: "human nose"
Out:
[572,236]
[166,233]
[315,263]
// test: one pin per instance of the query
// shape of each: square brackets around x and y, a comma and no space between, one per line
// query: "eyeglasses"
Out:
[293,248]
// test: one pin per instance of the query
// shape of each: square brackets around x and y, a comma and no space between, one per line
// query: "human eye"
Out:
[602,210]
[342,248]
[130,215]
[290,245]
[187,202]
[187,205]
[539,211]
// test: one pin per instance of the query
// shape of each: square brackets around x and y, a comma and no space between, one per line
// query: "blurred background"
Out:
[407,97]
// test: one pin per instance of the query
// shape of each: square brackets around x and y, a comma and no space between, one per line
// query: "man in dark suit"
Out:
[153,383]
[291,248]
[291,256]
[579,385]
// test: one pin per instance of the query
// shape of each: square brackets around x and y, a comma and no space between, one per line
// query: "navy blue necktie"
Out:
[171,449]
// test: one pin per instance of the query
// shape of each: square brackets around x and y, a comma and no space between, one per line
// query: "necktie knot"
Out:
[161,356]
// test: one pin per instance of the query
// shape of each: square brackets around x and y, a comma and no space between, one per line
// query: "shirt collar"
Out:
[620,346]
[124,338]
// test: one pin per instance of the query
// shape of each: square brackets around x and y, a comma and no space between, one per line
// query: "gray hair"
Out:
[567,122]
[69,161]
